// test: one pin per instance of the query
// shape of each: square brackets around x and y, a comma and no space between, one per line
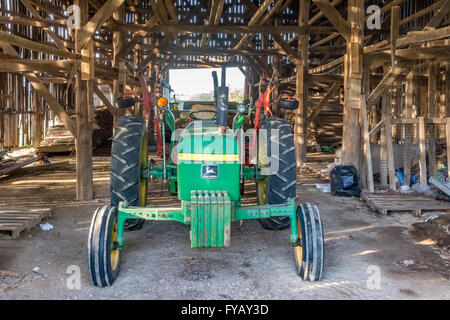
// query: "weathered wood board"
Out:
[415,203]
[14,220]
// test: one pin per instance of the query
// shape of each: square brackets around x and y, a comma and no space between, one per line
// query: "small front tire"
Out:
[103,254]
[309,255]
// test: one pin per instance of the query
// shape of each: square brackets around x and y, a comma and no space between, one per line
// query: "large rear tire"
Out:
[309,254]
[281,185]
[128,155]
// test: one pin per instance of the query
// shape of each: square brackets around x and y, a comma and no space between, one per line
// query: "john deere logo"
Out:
[210,171]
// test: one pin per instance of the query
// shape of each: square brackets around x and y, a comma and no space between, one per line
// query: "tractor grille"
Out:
[210,218]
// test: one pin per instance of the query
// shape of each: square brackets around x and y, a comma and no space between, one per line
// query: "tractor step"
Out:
[210,219]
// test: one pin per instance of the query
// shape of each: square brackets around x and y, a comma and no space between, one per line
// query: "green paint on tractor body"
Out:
[209,213]
[207,160]
[207,176]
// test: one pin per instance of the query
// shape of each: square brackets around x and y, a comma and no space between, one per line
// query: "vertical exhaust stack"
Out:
[221,101]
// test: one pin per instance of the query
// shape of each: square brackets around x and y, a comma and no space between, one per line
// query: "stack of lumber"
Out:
[413,202]
[14,220]
[58,139]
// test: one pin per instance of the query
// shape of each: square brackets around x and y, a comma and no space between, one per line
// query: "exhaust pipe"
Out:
[222,101]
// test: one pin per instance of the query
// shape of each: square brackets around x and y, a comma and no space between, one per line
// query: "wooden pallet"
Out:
[14,220]
[415,203]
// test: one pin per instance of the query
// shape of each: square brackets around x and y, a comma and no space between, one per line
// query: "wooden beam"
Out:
[322,102]
[367,149]
[328,78]
[333,3]
[104,99]
[439,16]
[383,85]
[136,37]
[84,107]
[301,84]
[409,92]
[43,92]
[233,29]
[326,66]
[422,12]
[325,40]
[375,129]
[423,36]
[353,75]
[216,52]
[285,47]
[390,151]
[49,66]
[214,18]
[335,18]
[432,112]
[97,21]
[447,140]
[395,18]
[422,154]
[256,20]
[36,15]
[35,46]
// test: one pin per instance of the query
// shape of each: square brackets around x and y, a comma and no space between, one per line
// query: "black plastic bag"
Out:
[344,181]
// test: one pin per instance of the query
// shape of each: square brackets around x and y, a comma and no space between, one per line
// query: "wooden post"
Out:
[353,85]
[407,133]
[300,128]
[383,147]
[395,18]
[447,89]
[37,121]
[246,83]
[447,141]
[422,158]
[432,112]
[84,185]
[367,150]
[118,42]
[151,89]
[390,152]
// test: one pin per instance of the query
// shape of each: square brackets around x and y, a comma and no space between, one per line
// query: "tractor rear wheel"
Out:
[128,156]
[280,185]
[309,253]
[103,255]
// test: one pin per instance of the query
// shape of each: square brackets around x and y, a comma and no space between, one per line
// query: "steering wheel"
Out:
[193,116]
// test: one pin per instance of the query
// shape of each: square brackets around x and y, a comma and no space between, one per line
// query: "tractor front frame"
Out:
[209,213]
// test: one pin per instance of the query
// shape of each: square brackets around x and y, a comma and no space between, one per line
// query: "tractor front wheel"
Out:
[309,251]
[103,254]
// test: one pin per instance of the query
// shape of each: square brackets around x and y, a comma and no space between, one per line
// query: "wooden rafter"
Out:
[58,42]
[439,16]
[214,17]
[334,17]
[98,20]
[333,89]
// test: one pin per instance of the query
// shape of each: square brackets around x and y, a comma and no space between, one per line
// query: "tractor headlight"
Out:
[241,108]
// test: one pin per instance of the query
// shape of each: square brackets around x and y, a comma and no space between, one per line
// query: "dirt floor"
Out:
[367,256]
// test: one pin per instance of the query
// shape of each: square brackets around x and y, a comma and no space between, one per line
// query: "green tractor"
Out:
[207,165]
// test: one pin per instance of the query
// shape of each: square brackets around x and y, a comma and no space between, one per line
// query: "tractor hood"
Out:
[208,159]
